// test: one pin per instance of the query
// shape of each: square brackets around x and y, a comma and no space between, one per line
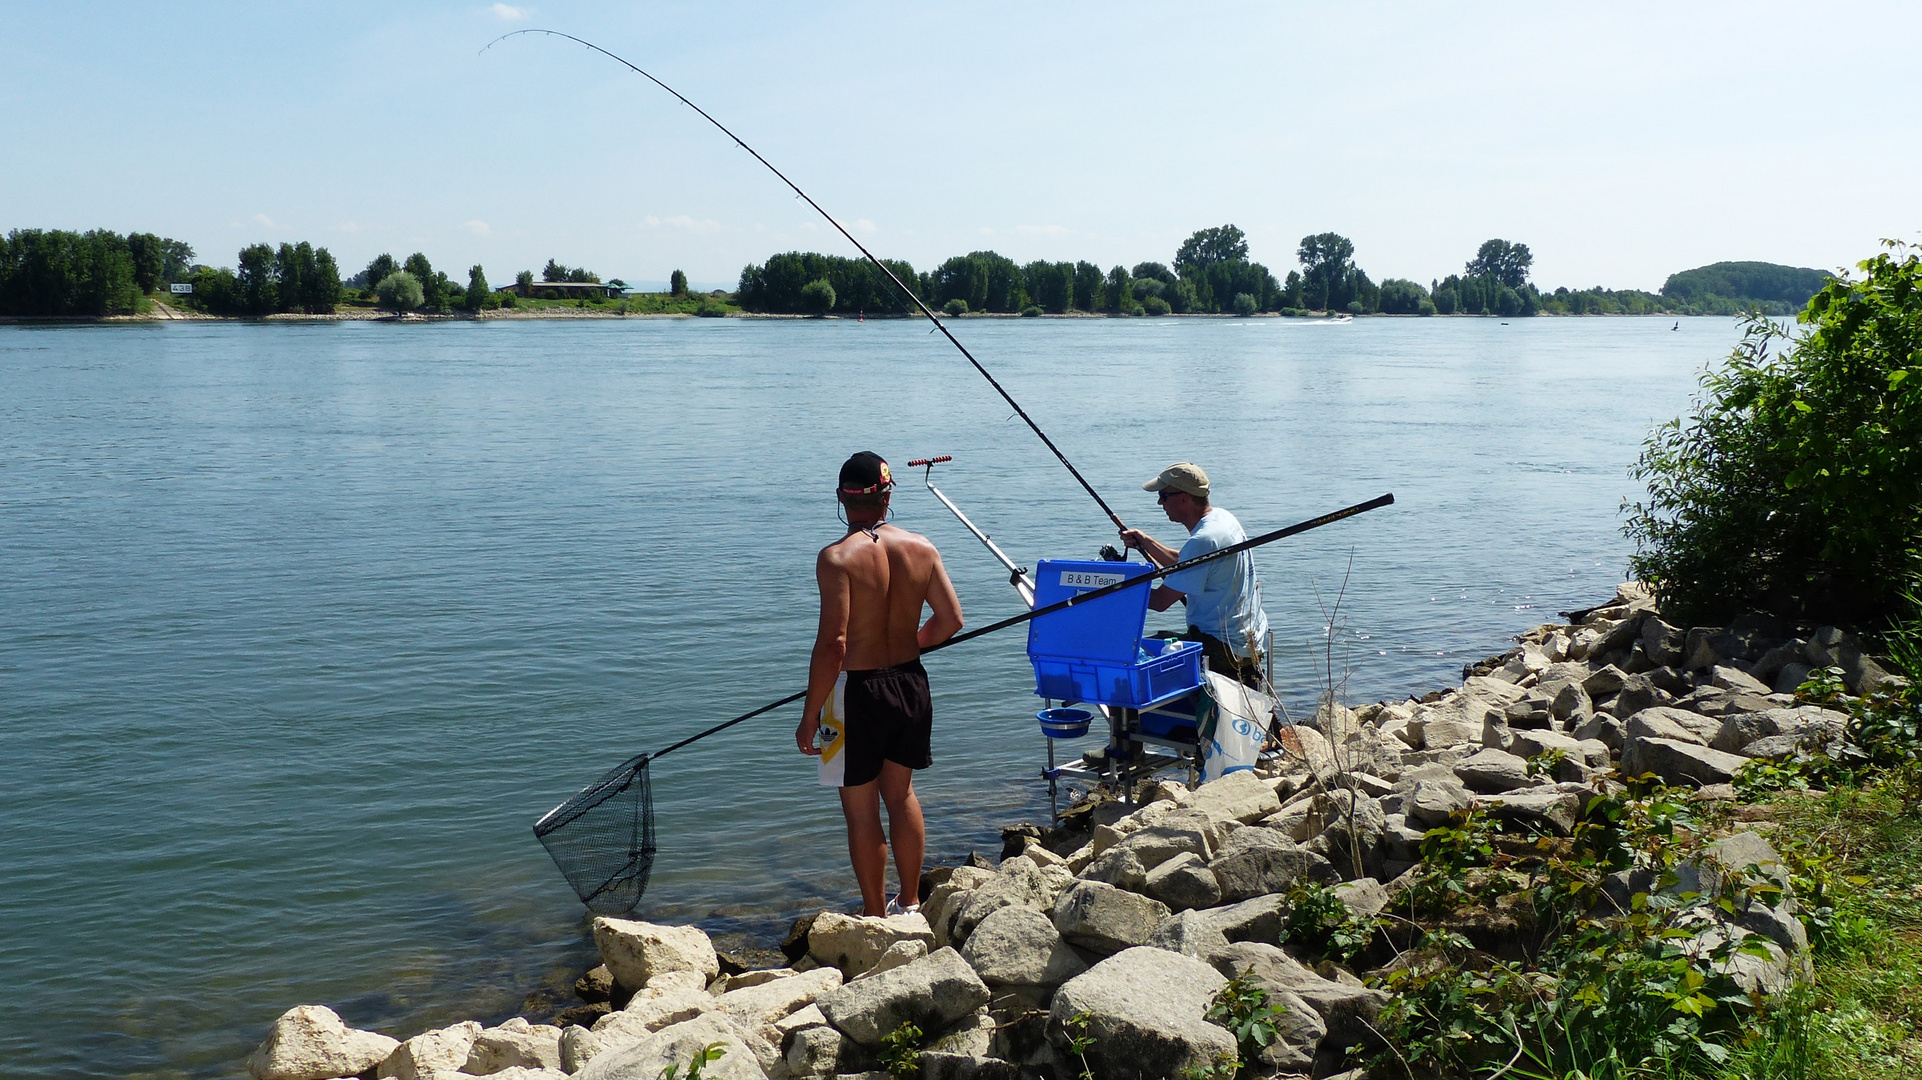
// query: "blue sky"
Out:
[1622,142]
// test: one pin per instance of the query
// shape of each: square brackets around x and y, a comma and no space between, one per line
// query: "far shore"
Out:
[163,313]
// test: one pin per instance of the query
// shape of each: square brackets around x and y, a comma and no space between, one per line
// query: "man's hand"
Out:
[805,733]
[1153,550]
[1132,538]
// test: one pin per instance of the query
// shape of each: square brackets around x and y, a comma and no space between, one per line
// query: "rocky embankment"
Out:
[1098,947]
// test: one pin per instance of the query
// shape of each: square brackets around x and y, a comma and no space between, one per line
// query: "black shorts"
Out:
[890,717]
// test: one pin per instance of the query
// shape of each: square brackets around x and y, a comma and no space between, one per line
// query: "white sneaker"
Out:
[895,908]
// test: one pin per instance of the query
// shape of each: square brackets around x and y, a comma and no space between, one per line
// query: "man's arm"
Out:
[1157,552]
[1163,598]
[944,618]
[830,649]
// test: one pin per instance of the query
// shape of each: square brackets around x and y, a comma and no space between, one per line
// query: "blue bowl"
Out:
[1064,723]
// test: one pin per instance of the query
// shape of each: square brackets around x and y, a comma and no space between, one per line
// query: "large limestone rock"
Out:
[1739,731]
[1241,796]
[1544,809]
[753,1007]
[638,951]
[1157,844]
[1528,744]
[1190,933]
[1020,946]
[932,993]
[1104,919]
[516,1044]
[1145,1011]
[311,1042]
[1258,861]
[1184,882]
[854,942]
[427,1055]
[649,1011]
[1666,722]
[1254,919]
[1491,772]
[1018,882]
[1678,762]
[1431,803]
[676,1045]
[941,1065]
[1349,1011]
[1120,867]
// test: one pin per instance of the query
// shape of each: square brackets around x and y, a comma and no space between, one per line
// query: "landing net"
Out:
[603,838]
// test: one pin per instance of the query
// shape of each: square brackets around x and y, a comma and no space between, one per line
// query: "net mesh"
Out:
[603,838]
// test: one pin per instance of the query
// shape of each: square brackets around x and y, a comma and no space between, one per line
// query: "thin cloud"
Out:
[511,13]
[348,227]
[267,222]
[478,228]
[863,225]
[683,223]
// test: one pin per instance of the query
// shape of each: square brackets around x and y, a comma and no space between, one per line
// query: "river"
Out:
[302,625]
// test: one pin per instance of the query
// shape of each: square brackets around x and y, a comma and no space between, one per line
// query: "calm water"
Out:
[301,626]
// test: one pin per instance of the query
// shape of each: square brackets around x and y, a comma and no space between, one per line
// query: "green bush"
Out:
[1355,308]
[1154,305]
[818,296]
[1031,311]
[956,306]
[1246,305]
[710,309]
[1796,483]
[399,291]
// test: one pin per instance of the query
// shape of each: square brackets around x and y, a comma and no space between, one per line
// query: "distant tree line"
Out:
[268,281]
[53,272]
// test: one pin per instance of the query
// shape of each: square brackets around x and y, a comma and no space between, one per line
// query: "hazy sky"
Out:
[1621,142]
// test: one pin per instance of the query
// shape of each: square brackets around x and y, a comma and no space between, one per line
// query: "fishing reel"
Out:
[1109,554]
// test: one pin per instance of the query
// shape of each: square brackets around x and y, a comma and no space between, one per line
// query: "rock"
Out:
[752,1007]
[854,942]
[596,985]
[1294,820]
[1255,919]
[1605,682]
[1638,692]
[1461,718]
[1309,747]
[1667,723]
[311,1042]
[578,1047]
[751,978]
[648,1012]
[1770,663]
[939,1065]
[1157,844]
[1669,681]
[932,993]
[1678,762]
[1242,796]
[1543,809]
[1569,703]
[1019,882]
[1184,882]
[1709,647]
[1145,1012]
[1772,747]
[1190,933]
[899,954]
[1348,1011]
[1104,919]
[821,1052]
[514,1044]
[1493,771]
[637,951]
[1528,744]
[676,1045]
[1365,897]
[1258,861]
[1120,867]
[431,1053]
[1662,642]
[1729,678]
[1432,803]
[1603,729]
[1020,946]
[1740,729]
[526,1072]
[1791,676]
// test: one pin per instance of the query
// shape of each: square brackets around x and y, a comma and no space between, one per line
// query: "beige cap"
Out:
[1183,476]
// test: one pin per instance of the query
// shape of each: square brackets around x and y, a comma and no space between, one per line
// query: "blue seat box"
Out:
[1091,652]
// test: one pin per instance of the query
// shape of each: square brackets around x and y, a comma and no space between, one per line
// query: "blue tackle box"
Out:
[1093,652]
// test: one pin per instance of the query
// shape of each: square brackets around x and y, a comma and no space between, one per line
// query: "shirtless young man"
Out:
[874,582]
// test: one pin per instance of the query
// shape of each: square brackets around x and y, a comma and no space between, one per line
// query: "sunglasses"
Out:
[1167,493]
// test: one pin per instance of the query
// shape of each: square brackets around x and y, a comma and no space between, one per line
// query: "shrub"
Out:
[1031,311]
[1355,308]
[677,284]
[1154,305]
[711,309]
[399,291]
[956,306]
[1246,305]
[1796,483]
[818,296]
[1426,307]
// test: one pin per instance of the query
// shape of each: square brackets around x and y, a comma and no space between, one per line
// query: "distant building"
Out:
[563,290]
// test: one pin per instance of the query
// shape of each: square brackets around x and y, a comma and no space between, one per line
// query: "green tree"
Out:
[1050,284]
[399,292]
[323,287]
[1214,245]
[257,280]
[1796,483]
[378,270]
[1246,304]
[293,268]
[433,285]
[176,259]
[677,284]
[1400,296]
[149,260]
[524,280]
[1755,281]
[1508,302]
[818,296]
[1507,263]
[1446,301]
[478,294]
[1156,271]
[1118,292]
[1326,259]
[1087,285]
[553,271]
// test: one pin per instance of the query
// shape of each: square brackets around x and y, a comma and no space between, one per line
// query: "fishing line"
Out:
[909,293]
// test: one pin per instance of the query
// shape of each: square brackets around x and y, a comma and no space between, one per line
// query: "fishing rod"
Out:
[1083,598]
[909,293]
[1017,575]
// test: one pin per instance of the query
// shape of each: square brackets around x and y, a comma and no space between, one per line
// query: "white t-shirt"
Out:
[1223,597]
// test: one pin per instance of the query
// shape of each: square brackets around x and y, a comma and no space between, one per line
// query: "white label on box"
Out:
[1082,579]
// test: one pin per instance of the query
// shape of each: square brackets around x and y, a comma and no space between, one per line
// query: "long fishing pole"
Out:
[1080,598]
[909,293]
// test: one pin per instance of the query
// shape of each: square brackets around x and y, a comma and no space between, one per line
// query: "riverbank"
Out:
[160,313]
[1394,882]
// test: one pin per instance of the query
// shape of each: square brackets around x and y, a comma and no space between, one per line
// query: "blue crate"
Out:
[1111,682]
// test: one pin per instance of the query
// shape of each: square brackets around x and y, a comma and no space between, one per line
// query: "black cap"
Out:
[866,473]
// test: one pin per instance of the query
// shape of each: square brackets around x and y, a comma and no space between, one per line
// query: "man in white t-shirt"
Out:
[1223,597]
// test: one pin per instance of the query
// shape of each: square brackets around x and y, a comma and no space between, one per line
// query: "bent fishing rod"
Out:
[1076,600]
[905,291]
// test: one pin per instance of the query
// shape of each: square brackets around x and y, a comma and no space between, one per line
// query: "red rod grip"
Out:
[930,461]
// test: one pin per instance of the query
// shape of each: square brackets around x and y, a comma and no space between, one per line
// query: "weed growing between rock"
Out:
[702,1058]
